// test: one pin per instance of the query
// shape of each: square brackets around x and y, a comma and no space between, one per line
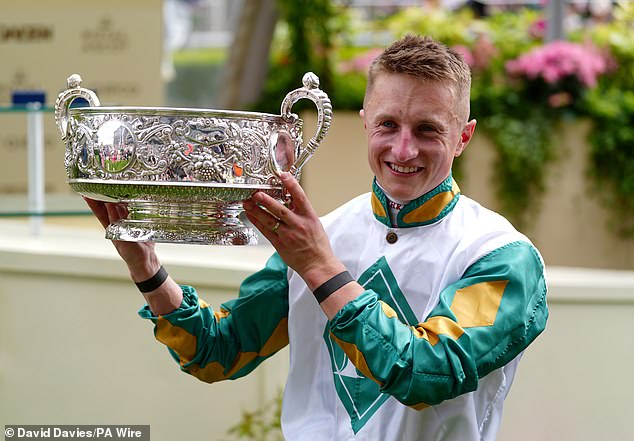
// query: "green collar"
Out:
[425,210]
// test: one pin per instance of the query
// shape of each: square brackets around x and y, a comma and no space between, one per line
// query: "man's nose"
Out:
[404,148]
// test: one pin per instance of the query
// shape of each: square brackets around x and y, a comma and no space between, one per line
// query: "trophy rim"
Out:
[244,186]
[177,111]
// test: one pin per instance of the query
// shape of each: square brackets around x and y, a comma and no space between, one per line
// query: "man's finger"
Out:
[99,210]
[266,230]
[265,208]
[296,191]
[113,212]
[122,211]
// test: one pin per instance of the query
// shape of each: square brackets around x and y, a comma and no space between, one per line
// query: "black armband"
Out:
[332,285]
[153,282]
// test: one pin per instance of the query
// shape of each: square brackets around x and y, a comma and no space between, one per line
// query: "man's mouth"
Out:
[403,169]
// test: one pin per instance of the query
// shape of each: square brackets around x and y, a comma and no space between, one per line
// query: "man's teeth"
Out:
[402,169]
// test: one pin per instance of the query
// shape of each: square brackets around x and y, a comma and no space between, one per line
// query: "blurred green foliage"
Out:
[611,107]
[263,424]
[519,113]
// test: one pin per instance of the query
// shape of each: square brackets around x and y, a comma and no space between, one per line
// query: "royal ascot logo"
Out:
[104,38]
[361,396]
[25,33]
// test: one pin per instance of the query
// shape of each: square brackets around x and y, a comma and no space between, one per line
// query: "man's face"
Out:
[414,133]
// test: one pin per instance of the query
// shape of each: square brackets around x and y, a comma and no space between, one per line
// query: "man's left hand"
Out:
[296,232]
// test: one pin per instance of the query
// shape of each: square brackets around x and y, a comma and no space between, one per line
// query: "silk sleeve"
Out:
[232,341]
[482,321]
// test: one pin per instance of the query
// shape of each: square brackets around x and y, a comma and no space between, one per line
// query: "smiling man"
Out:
[406,309]
[412,141]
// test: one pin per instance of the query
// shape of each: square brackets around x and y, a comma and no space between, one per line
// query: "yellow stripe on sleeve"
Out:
[176,338]
[223,313]
[477,305]
[435,326]
[387,309]
[215,371]
[356,357]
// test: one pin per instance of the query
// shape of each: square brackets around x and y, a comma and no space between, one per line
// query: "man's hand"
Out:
[139,256]
[141,259]
[299,237]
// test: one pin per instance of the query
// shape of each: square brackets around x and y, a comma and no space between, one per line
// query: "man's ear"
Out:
[362,115]
[465,137]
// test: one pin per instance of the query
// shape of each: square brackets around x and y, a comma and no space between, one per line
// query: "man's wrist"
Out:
[153,282]
[331,285]
[316,276]
[143,270]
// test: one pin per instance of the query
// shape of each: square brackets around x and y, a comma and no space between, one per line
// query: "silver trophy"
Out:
[183,173]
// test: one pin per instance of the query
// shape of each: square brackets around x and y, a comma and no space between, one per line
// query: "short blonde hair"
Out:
[428,60]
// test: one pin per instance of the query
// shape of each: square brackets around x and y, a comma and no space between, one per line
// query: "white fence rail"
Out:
[73,351]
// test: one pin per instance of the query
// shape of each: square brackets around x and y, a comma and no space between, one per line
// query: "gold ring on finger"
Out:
[276,227]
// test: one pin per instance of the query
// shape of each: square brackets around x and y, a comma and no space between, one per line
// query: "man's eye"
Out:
[426,128]
[388,124]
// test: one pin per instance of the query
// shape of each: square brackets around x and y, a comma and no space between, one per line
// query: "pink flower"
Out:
[466,54]
[551,74]
[559,99]
[483,52]
[558,60]
[537,29]
[360,63]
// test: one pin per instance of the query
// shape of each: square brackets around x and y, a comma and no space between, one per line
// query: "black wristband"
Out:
[332,285]
[153,282]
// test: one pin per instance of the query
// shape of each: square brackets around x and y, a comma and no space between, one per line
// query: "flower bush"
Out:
[556,61]
[611,107]
[559,72]
[523,89]
[523,108]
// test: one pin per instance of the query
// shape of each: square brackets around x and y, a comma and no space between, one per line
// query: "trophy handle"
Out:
[66,98]
[312,92]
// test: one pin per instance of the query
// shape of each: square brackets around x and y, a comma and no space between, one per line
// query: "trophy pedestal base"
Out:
[202,224]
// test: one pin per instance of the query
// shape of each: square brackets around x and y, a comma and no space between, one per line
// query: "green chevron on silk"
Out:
[361,396]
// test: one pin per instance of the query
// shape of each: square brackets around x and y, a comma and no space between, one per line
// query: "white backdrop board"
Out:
[116,46]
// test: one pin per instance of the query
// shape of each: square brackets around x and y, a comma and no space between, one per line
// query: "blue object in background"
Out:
[24,97]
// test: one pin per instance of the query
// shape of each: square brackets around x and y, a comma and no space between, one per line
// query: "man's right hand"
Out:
[141,258]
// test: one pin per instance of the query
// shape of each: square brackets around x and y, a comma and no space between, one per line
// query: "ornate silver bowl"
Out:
[183,173]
